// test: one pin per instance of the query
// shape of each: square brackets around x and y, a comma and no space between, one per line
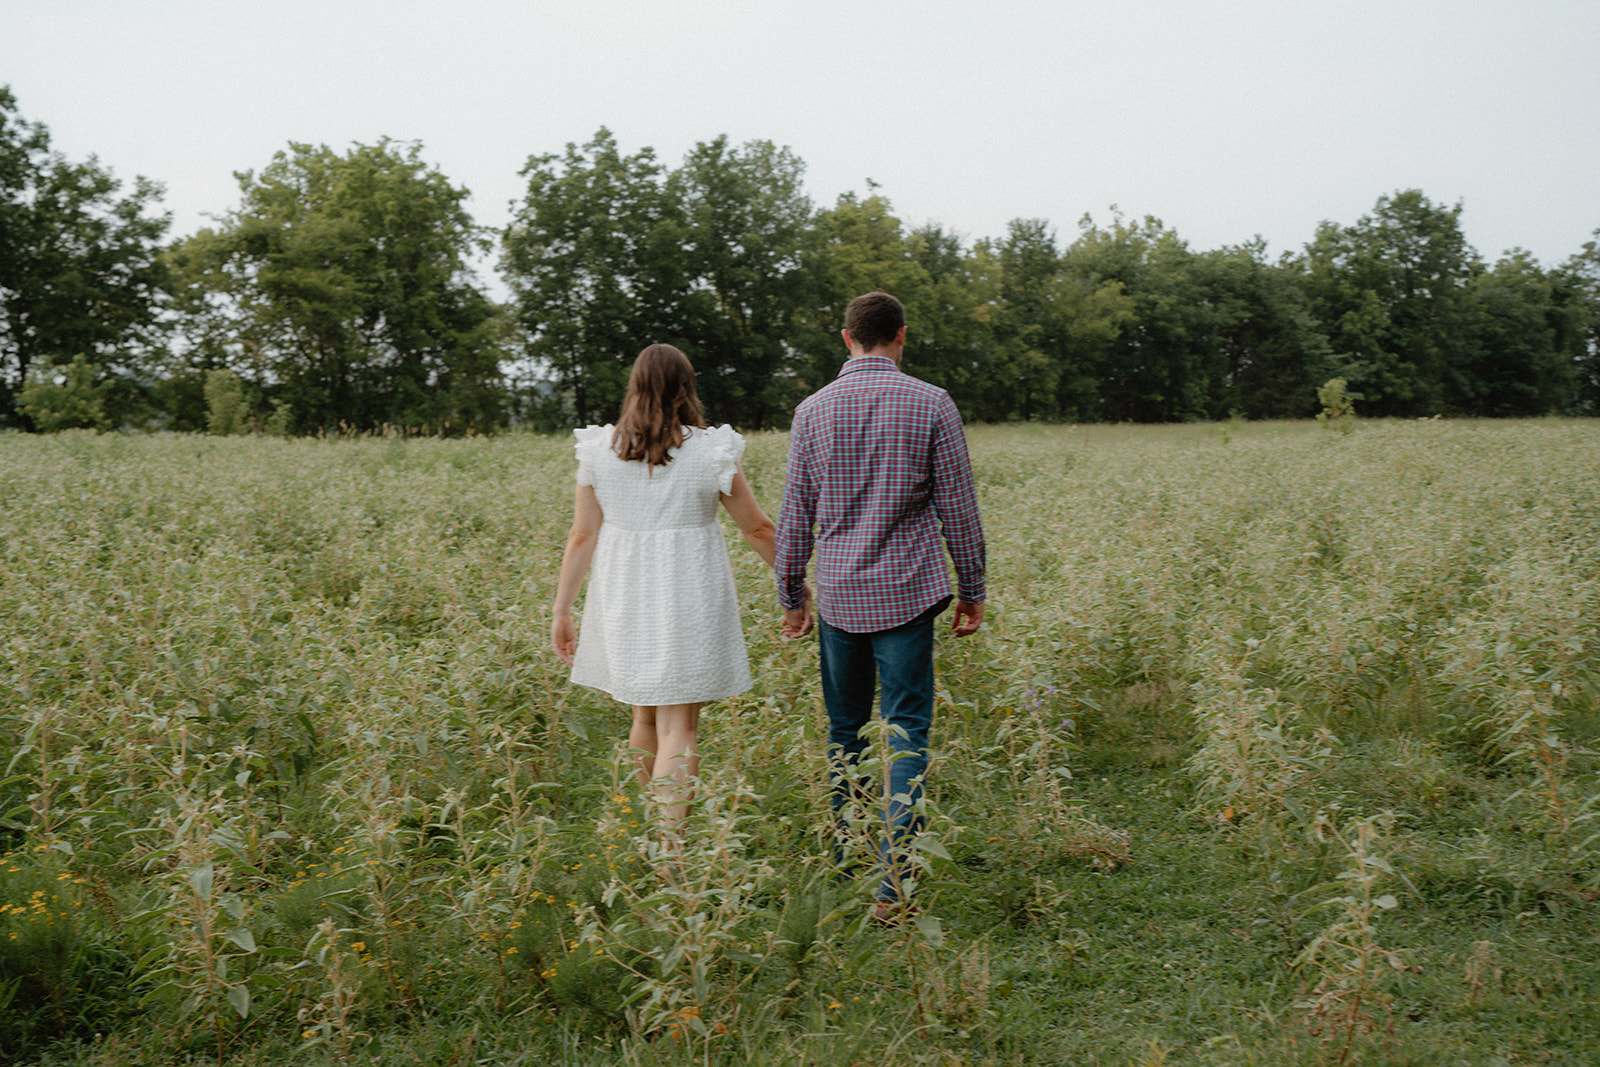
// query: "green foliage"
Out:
[609,253]
[1338,405]
[281,420]
[80,269]
[1350,1000]
[1267,348]
[65,398]
[315,671]
[593,256]
[225,410]
[747,222]
[61,972]
[1154,371]
[1582,275]
[339,291]
[1527,341]
[857,246]
[681,931]
[340,286]
[1395,291]
[1251,753]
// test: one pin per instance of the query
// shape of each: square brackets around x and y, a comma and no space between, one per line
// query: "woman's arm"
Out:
[586,520]
[760,532]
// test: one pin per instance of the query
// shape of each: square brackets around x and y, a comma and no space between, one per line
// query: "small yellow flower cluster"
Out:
[307,873]
[37,909]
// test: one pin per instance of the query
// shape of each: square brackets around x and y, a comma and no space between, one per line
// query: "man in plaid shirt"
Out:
[878,477]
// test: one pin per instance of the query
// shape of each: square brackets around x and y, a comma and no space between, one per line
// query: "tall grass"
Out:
[287,766]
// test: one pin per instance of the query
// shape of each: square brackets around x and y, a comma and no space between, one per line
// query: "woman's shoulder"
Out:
[722,437]
[591,441]
[591,447]
[726,448]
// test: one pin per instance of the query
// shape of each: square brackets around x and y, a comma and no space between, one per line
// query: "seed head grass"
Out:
[1277,747]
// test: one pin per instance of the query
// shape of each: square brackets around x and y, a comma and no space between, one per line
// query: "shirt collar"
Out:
[863,363]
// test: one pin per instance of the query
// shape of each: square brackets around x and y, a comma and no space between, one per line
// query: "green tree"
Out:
[1527,341]
[1268,351]
[64,398]
[595,256]
[1583,274]
[225,407]
[858,246]
[952,336]
[1391,292]
[340,286]
[1164,341]
[1029,341]
[1338,405]
[80,268]
[746,220]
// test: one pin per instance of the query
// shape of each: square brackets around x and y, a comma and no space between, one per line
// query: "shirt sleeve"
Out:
[955,501]
[795,521]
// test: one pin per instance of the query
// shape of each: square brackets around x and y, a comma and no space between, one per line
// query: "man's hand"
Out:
[967,619]
[797,622]
[563,638]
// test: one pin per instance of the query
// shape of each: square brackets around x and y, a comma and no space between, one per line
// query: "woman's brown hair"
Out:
[660,403]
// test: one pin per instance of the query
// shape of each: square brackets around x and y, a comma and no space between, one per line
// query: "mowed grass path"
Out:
[1276,747]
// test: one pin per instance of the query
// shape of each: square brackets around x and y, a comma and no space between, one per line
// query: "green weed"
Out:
[277,722]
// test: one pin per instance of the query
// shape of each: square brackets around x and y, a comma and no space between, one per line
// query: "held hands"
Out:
[797,622]
[967,619]
[563,637]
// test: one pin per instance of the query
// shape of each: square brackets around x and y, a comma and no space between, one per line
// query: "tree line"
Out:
[339,293]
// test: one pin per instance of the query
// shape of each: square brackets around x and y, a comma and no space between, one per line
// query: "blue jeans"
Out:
[853,665]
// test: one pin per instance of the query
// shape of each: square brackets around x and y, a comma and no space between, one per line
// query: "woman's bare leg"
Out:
[642,739]
[677,760]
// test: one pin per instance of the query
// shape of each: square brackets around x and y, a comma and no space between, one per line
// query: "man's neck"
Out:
[886,351]
[889,349]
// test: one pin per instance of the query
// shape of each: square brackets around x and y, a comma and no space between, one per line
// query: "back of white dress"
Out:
[660,620]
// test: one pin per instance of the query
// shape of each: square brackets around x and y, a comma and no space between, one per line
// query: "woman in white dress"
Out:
[661,620]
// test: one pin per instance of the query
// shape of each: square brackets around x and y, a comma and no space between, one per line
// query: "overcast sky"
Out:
[1224,119]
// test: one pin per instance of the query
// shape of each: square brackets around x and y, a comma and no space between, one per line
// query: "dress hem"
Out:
[721,695]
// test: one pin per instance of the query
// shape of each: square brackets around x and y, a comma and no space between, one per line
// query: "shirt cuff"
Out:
[791,593]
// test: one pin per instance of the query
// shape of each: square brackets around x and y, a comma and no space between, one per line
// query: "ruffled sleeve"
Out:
[591,439]
[727,449]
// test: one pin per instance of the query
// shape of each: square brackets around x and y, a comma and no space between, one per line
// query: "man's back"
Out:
[878,463]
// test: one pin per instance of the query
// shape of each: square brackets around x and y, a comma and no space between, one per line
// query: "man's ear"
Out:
[848,341]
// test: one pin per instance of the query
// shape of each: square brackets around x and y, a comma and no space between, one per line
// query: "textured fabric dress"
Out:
[660,620]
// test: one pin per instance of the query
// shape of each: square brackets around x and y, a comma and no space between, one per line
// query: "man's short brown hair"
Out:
[874,319]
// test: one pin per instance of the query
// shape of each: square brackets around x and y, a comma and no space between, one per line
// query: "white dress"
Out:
[660,620]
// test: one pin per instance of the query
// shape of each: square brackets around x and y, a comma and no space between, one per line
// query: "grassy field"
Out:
[1277,747]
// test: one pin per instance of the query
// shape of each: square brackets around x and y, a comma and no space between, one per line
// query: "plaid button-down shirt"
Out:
[878,472]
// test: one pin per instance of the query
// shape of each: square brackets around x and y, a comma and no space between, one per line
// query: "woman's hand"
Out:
[563,637]
[797,622]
